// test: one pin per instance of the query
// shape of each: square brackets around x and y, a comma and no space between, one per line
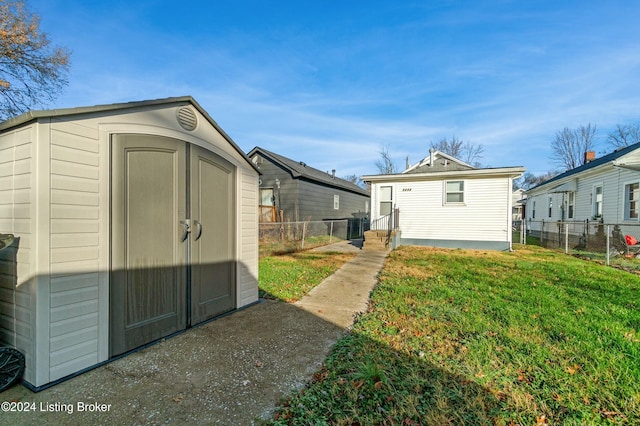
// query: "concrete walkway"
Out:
[340,296]
[233,370]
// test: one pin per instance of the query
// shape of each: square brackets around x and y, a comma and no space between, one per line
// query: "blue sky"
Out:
[331,82]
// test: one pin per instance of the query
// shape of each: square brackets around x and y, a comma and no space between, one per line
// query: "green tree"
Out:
[32,71]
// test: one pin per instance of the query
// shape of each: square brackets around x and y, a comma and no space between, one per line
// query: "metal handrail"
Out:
[389,222]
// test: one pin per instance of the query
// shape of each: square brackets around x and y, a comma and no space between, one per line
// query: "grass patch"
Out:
[291,276]
[472,337]
[270,247]
[630,264]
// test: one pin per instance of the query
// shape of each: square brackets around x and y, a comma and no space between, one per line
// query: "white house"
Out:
[445,202]
[132,221]
[518,200]
[605,189]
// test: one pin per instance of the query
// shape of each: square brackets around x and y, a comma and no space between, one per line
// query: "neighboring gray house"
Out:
[445,202]
[303,193]
[132,221]
[605,189]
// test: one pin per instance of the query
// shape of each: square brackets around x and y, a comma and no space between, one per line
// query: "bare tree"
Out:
[528,180]
[355,179]
[570,145]
[32,71]
[385,163]
[624,135]
[467,152]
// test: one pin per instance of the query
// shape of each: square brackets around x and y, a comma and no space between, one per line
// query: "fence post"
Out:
[608,255]
[331,232]
[566,238]
[523,233]
[304,229]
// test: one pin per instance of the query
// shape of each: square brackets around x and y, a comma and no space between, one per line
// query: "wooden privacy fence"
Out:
[267,214]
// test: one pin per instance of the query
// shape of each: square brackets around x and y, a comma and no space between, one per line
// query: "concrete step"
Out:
[375,240]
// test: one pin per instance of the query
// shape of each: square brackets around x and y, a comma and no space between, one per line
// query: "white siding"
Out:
[16,271]
[484,215]
[612,179]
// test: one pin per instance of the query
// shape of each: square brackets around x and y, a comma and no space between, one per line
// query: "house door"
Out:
[171,261]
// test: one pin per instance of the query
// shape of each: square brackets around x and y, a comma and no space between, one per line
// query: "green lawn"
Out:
[274,247]
[289,277]
[472,337]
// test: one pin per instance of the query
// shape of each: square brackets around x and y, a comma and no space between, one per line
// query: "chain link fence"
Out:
[288,237]
[586,238]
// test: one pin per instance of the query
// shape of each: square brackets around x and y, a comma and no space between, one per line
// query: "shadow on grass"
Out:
[364,382]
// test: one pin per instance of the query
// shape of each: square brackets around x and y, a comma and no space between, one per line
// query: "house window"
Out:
[550,206]
[266,197]
[533,210]
[631,197]
[571,201]
[385,200]
[336,202]
[454,191]
[597,201]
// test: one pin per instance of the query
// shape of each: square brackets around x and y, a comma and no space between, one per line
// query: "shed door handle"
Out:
[198,229]
[186,228]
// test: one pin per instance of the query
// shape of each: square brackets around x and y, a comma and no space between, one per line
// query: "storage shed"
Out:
[132,222]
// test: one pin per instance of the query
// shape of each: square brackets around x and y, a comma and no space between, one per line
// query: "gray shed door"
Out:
[212,237]
[155,263]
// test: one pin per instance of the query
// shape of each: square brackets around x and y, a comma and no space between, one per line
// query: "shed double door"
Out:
[172,238]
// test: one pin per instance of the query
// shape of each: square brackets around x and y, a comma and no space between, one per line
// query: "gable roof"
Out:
[30,116]
[299,169]
[609,159]
[441,163]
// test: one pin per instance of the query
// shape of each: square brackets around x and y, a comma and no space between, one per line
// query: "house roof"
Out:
[30,116]
[609,159]
[441,163]
[512,172]
[299,169]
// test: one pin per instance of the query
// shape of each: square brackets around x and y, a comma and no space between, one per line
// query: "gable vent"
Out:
[187,118]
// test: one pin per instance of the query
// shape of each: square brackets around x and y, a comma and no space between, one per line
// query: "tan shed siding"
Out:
[483,216]
[248,265]
[75,248]
[16,275]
